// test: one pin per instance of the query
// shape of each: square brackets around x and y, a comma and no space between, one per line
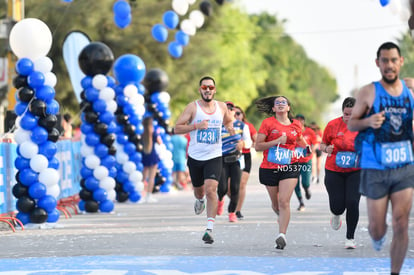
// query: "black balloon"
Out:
[20,81]
[91,206]
[38,107]
[25,94]
[206,8]
[112,150]
[86,106]
[108,139]
[25,204]
[100,128]
[38,215]
[129,129]
[135,139]
[53,135]
[220,2]
[122,119]
[118,186]
[85,195]
[82,183]
[122,196]
[140,147]
[91,117]
[155,80]
[48,122]
[19,190]
[96,58]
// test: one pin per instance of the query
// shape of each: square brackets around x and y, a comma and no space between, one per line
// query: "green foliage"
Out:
[249,56]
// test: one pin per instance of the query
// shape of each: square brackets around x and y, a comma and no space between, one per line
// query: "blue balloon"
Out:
[24,218]
[20,108]
[122,23]
[81,205]
[28,176]
[134,196]
[140,166]
[112,172]
[100,194]
[86,128]
[129,148]
[53,216]
[384,2]
[21,163]
[121,100]
[121,138]
[48,149]
[48,203]
[111,127]
[37,190]
[170,19]
[28,121]
[111,81]
[54,163]
[91,94]
[128,186]
[129,68]
[159,33]
[122,176]
[92,139]
[67,1]
[36,79]
[106,206]
[182,38]
[45,93]
[24,66]
[175,49]
[165,188]
[91,183]
[39,135]
[86,82]
[99,106]
[108,161]
[101,150]
[106,117]
[86,172]
[121,9]
[52,107]
[141,89]
[136,157]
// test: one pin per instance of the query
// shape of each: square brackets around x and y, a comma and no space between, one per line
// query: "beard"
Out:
[206,99]
[390,81]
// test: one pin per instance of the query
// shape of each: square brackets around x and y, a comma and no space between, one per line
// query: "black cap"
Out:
[300,116]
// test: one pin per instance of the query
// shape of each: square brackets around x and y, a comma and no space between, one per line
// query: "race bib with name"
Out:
[346,159]
[396,153]
[208,136]
[279,155]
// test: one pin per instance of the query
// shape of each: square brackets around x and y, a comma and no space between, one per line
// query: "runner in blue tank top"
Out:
[383,115]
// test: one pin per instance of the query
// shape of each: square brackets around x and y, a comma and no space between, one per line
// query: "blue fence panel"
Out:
[69,168]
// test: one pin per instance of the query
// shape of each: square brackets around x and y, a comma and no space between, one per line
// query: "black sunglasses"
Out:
[238,113]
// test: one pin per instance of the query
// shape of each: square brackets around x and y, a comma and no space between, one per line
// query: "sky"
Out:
[342,36]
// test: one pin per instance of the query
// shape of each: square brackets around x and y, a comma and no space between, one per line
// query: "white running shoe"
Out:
[350,244]
[199,206]
[280,241]
[336,222]
[378,245]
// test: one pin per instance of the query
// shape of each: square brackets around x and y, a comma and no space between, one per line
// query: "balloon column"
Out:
[36,134]
[157,100]
[129,70]
[122,13]
[98,129]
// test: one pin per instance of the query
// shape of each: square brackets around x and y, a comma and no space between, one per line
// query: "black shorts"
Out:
[201,170]
[272,177]
[318,153]
[376,184]
[247,162]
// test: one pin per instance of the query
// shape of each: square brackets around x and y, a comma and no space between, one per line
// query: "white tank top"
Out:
[206,144]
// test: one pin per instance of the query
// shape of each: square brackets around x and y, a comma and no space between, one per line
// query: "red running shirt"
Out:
[273,129]
[337,134]
[252,133]
[310,137]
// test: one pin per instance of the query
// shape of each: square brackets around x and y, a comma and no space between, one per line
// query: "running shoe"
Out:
[280,241]
[308,193]
[232,217]
[239,215]
[220,207]
[208,236]
[350,244]
[336,222]
[199,206]
[378,245]
[301,207]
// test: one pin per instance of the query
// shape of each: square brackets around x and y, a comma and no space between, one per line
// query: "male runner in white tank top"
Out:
[203,120]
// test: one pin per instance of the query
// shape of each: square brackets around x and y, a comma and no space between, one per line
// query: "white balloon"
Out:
[38,163]
[44,64]
[111,195]
[92,161]
[197,18]
[99,81]
[30,38]
[121,157]
[111,106]
[53,190]
[21,135]
[139,186]
[129,167]
[140,110]
[188,27]
[107,94]
[50,79]
[130,90]
[135,176]
[180,6]
[100,172]
[164,97]
[107,183]
[86,150]
[190,2]
[28,149]
[49,177]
